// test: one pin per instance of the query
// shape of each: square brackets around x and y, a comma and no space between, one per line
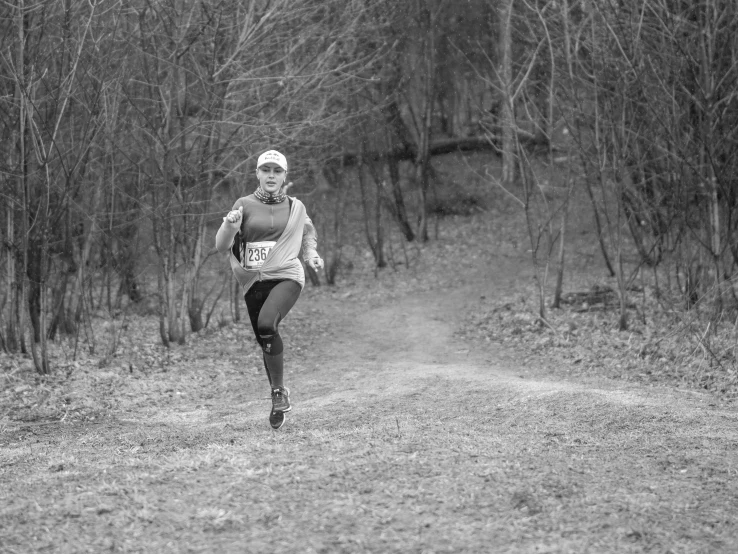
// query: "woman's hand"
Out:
[235,215]
[315,263]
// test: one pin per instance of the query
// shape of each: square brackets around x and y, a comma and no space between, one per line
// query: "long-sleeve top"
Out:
[286,223]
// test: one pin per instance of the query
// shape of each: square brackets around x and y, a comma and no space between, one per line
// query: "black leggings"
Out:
[268,303]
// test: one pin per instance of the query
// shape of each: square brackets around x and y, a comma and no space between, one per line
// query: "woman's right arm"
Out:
[228,229]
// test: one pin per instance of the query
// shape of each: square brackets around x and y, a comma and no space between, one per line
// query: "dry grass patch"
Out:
[543,468]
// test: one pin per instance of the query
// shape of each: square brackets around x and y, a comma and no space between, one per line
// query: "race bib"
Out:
[256,253]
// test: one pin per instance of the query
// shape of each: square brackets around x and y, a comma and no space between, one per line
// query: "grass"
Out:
[409,469]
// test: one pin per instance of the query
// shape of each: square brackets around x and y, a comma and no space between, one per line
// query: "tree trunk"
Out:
[425,128]
[334,259]
[535,239]
[195,305]
[381,262]
[599,227]
[397,137]
[12,288]
[22,192]
[11,285]
[507,109]
[74,299]
[707,48]
[366,210]
[562,251]
[397,203]
[170,279]
[163,330]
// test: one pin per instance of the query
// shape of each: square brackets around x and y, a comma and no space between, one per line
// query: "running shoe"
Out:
[276,419]
[281,399]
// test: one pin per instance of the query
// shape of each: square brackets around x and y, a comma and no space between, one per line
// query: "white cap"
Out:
[272,156]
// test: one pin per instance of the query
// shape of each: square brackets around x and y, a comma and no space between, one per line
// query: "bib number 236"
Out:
[257,252]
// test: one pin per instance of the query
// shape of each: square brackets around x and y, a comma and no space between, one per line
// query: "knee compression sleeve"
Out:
[268,329]
[271,344]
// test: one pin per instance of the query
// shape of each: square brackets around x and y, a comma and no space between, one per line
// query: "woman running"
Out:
[264,232]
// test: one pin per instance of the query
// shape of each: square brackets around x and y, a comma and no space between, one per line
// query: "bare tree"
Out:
[507,101]
[53,143]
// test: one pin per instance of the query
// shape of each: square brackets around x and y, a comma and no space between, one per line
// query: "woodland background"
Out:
[129,128]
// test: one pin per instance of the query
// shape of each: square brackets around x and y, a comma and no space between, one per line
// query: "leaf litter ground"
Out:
[432,414]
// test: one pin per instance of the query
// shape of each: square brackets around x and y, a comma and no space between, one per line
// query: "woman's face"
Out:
[271,177]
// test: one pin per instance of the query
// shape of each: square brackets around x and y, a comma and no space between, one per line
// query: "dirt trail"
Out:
[603,465]
[413,338]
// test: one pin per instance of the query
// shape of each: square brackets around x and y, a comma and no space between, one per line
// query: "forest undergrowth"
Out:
[659,346]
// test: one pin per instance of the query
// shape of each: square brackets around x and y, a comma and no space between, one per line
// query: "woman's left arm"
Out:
[310,245]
